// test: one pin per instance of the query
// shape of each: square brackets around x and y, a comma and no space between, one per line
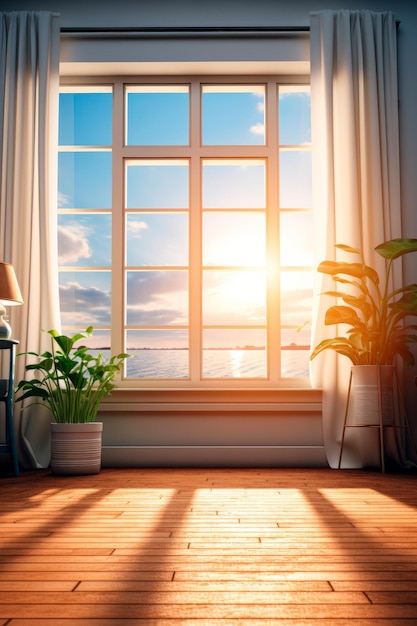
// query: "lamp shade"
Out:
[9,287]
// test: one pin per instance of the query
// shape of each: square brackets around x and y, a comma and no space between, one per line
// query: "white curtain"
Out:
[356,174]
[29,83]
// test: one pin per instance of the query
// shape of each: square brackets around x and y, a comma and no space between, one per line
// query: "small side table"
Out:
[6,396]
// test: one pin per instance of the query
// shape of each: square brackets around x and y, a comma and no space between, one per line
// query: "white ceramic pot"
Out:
[76,448]
[367,395]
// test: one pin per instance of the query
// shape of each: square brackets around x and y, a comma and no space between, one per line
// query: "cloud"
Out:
[80,304]
[157,317]
[260,107]
[63,199]
[135,228]
[72,244]
[145,286]
[157,298]
[257,129]
[303,92]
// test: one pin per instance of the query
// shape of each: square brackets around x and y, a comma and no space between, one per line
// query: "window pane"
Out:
[233,184]
[295,353]
[157,239]
[158,184]
[233,353]
[84,240]
[294,115]
[234,239]
[157,115]
[157,298]
[296,239]
[295,179]
[233,297]
[85,298]
[157,353]
[85,119]
[84,180]
[233,115]
[296,298]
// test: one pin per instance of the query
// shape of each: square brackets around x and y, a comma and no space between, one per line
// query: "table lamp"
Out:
[9,296]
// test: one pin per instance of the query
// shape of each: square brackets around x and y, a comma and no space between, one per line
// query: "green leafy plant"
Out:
[70,380]
[376,316]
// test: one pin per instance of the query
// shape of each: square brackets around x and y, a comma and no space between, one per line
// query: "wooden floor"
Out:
[209,547]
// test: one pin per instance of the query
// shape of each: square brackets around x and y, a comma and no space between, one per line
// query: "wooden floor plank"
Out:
[211,611]
[210,622]
[203,547]
[184,597]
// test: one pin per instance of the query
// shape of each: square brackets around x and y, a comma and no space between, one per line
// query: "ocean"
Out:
[216,364]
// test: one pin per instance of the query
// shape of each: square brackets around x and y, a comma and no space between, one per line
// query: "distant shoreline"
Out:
[290,347]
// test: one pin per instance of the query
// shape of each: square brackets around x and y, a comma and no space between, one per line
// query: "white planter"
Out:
[76,448]
[366,395]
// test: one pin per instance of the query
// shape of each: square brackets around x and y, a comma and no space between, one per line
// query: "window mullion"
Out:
[118,278]
[272,235]
[195,243]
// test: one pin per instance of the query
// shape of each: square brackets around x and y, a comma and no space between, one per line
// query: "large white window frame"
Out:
[195,153]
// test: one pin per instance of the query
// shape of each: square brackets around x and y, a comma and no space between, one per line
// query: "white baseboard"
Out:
[214,456]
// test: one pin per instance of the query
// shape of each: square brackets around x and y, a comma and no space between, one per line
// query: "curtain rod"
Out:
[190,31]
[186,31]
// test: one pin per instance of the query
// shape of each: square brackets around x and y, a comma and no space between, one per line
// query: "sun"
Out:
[245,288]
[231,240]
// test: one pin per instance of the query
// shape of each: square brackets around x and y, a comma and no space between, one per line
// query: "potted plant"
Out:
[71,381]
[376,316]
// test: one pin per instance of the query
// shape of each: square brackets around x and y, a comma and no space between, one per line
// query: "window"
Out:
[185,220]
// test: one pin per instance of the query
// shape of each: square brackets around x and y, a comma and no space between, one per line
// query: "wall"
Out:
[213,428]
[194,435]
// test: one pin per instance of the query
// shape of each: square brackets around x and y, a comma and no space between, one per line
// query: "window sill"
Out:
[213,400]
